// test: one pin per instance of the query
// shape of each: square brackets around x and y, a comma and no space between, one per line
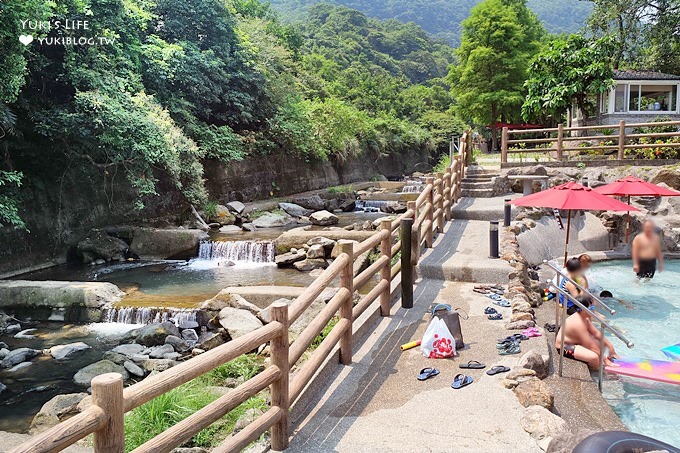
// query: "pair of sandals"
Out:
[498,300]
[494,370]
[509,348]
[492,313]
[531,332]
[459,381]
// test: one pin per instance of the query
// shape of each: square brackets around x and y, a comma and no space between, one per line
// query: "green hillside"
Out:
[442,18]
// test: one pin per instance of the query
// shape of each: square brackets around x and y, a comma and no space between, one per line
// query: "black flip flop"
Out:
[472,365]
[427,373]
[461,381]
[498,369]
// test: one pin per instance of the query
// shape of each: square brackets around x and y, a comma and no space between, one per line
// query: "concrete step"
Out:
[476,185]
[485,209]
[477,193]
[461,255]
[481,176]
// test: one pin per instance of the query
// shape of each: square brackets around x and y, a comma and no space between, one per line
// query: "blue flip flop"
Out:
[427,373]
[502,303]
[490,311]
[461,381]
[495,316]
[494,296]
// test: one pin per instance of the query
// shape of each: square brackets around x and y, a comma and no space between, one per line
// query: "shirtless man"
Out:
[582,339]
[647,251]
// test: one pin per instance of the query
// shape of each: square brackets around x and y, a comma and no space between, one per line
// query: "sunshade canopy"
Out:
[635,187]
[573,196]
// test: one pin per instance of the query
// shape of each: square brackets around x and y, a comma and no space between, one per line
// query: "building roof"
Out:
[632,74]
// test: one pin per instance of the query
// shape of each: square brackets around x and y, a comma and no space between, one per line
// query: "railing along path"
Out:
[110,401]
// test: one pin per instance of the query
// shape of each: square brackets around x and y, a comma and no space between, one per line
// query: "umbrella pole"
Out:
[627,221]
[566,254]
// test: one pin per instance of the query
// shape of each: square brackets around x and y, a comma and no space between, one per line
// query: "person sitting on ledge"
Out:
[582,339]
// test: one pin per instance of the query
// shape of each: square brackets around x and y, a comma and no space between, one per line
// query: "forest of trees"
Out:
[443,18]
[183,82]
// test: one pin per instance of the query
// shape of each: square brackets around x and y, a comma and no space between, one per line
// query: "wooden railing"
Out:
[615,139]
[110,401]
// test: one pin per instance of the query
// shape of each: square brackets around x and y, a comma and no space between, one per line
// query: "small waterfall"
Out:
[237,251]
[412,188]
[369,205]
[148,315]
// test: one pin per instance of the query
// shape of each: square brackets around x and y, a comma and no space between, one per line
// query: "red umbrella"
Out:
[572,197]
[634,187]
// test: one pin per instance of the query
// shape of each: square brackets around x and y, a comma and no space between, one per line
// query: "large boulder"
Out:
[310,264]
[534,393]
[668,176]
[316,251]
[99,245]
[154,334]
[313,203]
[222,215]
[236,207]
[326,243]
[540,423]
[17,356]
[323,218]
[226,299]
[63,351]
[56,410]
[85,375]
[166,243]
[238,322]
[393,207]
[294,210]
[288,259]
[272,220]
[128,349]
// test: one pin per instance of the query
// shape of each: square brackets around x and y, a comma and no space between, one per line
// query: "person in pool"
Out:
[582,339]
[647,254]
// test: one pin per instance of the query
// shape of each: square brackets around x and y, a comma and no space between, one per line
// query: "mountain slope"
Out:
[442,18]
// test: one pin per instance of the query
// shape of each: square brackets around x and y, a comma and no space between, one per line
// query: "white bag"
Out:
[438,343]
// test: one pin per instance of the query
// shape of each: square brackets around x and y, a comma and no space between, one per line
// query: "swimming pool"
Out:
[646,407]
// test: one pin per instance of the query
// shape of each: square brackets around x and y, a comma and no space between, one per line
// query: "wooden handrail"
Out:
[104,417]
[621,138]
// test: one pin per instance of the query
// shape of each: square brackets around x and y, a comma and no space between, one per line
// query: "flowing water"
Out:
[646,407]
[369,205]
[413,188]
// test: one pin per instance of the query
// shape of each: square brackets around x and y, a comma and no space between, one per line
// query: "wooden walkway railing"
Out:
[612,138]
[110,401]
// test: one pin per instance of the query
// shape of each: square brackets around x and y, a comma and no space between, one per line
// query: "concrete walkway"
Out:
[378,405]
[462,252]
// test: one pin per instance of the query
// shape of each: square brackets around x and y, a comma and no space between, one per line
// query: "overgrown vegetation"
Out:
[159,414]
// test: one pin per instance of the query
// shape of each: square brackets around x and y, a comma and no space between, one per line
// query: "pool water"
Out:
[646,407]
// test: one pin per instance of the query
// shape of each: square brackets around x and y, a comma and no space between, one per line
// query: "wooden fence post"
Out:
[622,141]
[440,203]
[405,233]
[504,146]
[429,234]
[107,393]
[280,397]
[414,235]
[560,141]
[347,281]
[386,271]
[448,199]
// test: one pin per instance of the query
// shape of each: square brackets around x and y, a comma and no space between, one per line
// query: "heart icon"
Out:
[26,39]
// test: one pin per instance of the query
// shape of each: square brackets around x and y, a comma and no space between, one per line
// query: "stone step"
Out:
[485,209]
[476,185]
[481,175]
[477,193]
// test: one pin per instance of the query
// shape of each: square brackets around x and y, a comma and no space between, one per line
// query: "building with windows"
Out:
[637,97]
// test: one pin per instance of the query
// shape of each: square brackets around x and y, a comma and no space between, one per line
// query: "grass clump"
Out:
[347,189]
[443,164]
[150,419]
[324,333]
[257,214]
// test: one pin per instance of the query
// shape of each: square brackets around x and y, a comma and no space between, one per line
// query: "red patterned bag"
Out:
[438,343]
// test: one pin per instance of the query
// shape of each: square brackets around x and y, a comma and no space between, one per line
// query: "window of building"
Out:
[620,96]
[642,98]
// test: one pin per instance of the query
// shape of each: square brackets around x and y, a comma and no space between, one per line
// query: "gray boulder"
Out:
[347,205]
[308,265]
[393,207]
[3,353]
[3,387]
[534,393]
[20,367]
[63,351]
[178,343]
[238,322]
[26,334]
[17,356]
[158,352]
[236,207]
[85,375]
[133,369]
[165,243]
[288,259]
[222,215]
[272,220]
[155,334]
[248,227]
[225,299]
[326,243]
[316,251]
[99,245]
[323,218]
[230,229]
[313,203]
[55,410]
[157,365]
[210,340]
[129,349]
[190,335]
[294,210]
[114,357]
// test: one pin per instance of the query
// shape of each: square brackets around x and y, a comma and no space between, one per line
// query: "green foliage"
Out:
[443,18]
[499,38]
[347,189]
[316,342]
[569,71]
[243,367]
[443,163]
[9,211]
